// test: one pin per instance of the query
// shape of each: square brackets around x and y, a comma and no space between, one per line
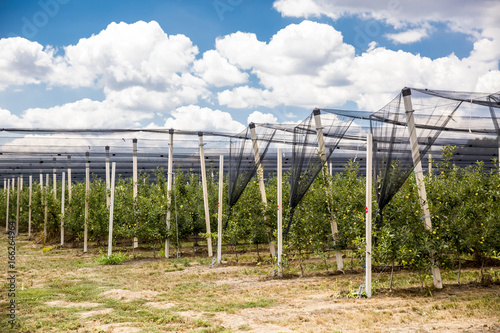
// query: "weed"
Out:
[113,259]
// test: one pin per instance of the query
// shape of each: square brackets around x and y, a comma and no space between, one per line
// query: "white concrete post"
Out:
[111,209]
[107,176]
[369,214]
[169,187]
[333,222]
[63,186]
[406,92]
[134,181]
[29,204]
[280,212]
[219,213]
[205,193]
[7,207]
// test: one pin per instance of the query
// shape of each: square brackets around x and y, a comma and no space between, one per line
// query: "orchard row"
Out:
[464,203]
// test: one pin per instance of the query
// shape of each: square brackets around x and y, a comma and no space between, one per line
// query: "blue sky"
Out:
[232,61]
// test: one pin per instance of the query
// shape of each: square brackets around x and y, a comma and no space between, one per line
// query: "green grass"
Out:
[112,259]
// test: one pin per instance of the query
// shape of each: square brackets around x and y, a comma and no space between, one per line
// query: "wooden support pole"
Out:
[7,207]
[17,205]
[169,188]
[107,177]
[29,204]
[205,193]
[369,214]
[260,176]
[280,211]
[422,194]
[87,194]
[111,209]
[219,213]
[63,187]
[134,181]
[333,222]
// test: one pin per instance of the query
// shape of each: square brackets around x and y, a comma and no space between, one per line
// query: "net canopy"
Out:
[314,140]
[466,120]
[246,152]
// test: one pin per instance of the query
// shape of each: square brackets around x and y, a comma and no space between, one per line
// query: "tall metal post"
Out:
[219,213]
[321,144]
[111,209]
[29,204]
[280,211]
[422,194]
[107,176]
[169,188]
[205,193]
[368,210]
[63,186]
[18,206]
[7,204]
[134,181]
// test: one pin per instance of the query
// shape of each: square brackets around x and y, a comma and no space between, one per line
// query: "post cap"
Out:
[200,133]
[134,140]
[406,92]
[251,125]
[316,111]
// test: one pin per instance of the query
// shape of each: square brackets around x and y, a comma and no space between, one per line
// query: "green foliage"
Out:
[113,259]
[463,203]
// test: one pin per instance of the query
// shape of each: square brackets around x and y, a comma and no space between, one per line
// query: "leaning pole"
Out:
[333,223]
[419,176]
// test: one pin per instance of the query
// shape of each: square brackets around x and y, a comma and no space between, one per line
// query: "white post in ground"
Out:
[29,204]
[107,177]
[4,185]
[419,176]
[134,181]
[205,193]
[369,214]
[333,223]
[87,194]
[63,187]
[219,213]
[111,209]
[260,176]
[280,212]
[169,187]
[7,207]
[17,209]
[46,211]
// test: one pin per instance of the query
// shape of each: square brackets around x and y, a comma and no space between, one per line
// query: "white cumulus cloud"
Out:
[217,71]
[259,117]
[196,118]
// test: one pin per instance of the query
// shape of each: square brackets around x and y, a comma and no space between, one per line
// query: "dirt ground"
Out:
[232,297]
